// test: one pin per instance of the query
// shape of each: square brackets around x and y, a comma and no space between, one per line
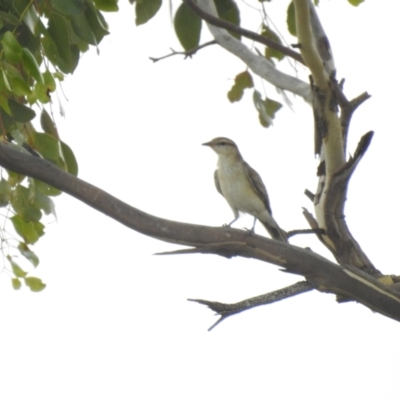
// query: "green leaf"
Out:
[20,112]
[266,109]
[49,81]
[14,178]
[16,283]
[19,87]
[32,20]
[229,11]
[31,66]
[9,18]
[69,158]
[16,269]
[4,105]
[34,284]
[82,29]
[291,19]
[242,81]
[51,52]
[187,27]
[46,189]
[45,203]
[69,54]
[23,204]
[47,124]
[28,254]
[97,22]
[47,145]
[269,52]
[146,9]
[28,230]
[106,5]
[68,7]
[4,80]
[12,48]
[355,3]
[5,193]
[40,93]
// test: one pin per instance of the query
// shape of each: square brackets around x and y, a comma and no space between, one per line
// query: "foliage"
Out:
[41,41]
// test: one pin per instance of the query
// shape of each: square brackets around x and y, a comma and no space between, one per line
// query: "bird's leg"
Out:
[230,223]
[251,231]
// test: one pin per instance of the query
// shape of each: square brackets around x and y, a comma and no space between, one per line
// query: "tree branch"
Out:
[226,310]
[324,275]
[243,32]
[188,53]
[259,65]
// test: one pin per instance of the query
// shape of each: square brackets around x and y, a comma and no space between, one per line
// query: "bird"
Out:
[242,187]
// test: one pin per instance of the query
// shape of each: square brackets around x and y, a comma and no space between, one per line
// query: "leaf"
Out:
[31,66]
[97,22]
[12,48]
[146,9]
[242,81]
[82,29]
[16,283]
[106,5]
[16,269]
[40,92]
[291,19]
[9,18]
[19,87]
[229,11]
[20,112]
[69,158]
[46,189]
[32,20]
[47,145]
[266,109]
[59,34]
[187,27]
[28,254]
[68,7]
[269,52]
[34,284]
[23,204]
[355,3]
[49,82]
[5,192]
[47,124]
[28,230]
[45,203]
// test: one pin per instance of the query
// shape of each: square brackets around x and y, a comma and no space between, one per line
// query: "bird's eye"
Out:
[222,143]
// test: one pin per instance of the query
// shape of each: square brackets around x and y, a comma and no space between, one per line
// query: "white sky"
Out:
[114,322]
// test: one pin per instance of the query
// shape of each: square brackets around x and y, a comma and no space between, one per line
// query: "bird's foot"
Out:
[250,232]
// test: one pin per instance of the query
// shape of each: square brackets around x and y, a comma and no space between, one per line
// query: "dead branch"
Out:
[226,310]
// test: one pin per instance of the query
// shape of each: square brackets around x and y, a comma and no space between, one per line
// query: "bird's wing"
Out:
[258,186]
[216,181]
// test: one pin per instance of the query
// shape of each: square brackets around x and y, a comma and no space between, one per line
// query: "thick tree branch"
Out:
[324,275]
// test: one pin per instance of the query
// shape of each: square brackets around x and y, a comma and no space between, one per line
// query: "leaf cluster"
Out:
[40,42]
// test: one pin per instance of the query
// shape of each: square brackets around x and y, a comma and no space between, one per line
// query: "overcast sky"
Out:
[113,321]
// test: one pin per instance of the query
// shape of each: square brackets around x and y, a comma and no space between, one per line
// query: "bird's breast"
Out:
[237,188]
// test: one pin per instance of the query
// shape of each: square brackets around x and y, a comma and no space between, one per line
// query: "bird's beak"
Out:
[206,144]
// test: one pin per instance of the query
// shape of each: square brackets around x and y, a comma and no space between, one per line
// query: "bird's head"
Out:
[223,146]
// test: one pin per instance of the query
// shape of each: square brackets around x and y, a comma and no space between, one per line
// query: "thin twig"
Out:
[187,53]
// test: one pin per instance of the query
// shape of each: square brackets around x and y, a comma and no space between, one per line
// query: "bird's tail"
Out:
[274,230]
